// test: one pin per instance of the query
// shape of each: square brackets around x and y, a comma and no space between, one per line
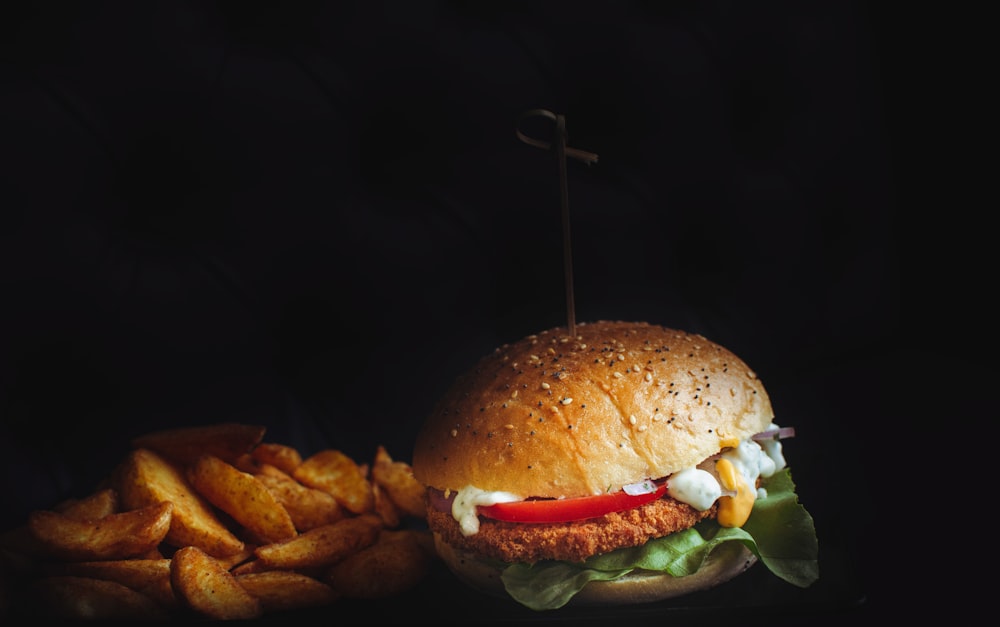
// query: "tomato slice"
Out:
[566,510]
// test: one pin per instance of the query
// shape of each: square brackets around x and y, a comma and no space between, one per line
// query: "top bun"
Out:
[558,416]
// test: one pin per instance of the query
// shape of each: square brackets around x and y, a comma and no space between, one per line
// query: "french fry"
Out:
[396,562]
[337,474]
[94,506]
[322,546]
[281,456]
[308,507]
[116,536]
[184,445]
[70,597]
[144,478]
[243,497]
[283,590]
[205,586]
[396,478]
[149,576]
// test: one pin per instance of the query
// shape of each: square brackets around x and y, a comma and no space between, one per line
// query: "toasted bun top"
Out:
[558,416]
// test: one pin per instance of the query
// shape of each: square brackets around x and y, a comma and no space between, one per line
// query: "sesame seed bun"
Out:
[557,416]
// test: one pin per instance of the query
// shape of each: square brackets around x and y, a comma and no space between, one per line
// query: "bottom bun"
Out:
[640,586]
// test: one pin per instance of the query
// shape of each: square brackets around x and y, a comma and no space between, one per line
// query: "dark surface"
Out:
[313,217]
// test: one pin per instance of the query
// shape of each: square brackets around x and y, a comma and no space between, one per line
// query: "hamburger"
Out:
[628,463]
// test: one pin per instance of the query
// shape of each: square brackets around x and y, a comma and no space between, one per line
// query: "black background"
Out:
[312,216]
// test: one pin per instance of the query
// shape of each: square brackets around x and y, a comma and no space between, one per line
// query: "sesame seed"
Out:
[618,375]
[649,377]
[631,420]
[508,426]
[566,401]
[545,385]
[642,428]
[454,433]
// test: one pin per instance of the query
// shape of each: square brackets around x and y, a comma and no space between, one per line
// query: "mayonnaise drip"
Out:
[729,478]
[463,508]
[700,487]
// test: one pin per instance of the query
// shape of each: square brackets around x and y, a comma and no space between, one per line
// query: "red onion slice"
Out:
[775,434]
[645,486]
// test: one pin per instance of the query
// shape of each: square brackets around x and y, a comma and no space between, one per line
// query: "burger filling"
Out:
[742,494]
[729,480]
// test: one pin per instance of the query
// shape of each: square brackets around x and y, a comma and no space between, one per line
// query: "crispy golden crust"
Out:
[572,541]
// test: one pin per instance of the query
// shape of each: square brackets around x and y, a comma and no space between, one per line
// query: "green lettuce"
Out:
[780,532]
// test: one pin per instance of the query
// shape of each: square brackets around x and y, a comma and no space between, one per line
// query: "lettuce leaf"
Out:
[780,532]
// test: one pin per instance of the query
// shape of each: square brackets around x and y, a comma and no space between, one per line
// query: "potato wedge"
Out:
[205,586]
[149,576]
[385,508]
[396,562]
[282,590]
[281,456]
[91,507]
[308,507]
[183,445]
[137,573]
[337,474]
[322,546]
[234,560]
[250,566]
[117,536]
[243,497]
[71,597]
[144,478]
[396,478]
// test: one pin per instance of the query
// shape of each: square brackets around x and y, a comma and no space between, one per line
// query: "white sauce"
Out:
[694,486]
[463,508]
[700,487]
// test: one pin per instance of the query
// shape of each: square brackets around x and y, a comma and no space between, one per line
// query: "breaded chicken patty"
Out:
[569,541]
